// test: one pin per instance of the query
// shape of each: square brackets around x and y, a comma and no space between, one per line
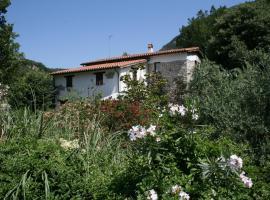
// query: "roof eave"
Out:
[100,69]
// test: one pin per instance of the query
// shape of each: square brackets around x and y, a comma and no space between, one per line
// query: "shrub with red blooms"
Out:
[123,114]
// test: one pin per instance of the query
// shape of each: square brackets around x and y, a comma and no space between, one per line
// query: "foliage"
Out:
[122,114]
[9,54]
[151,91]
[71,154]
[226,35]
[198,31]
[35,164]
[174,159]
[237,101]
[243,28]
[197,150]
[29,84]
[34,89]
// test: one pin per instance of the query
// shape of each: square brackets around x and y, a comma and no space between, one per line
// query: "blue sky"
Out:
[65,33]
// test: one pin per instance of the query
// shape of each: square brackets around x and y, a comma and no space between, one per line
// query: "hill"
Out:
[228,35]
[34,65]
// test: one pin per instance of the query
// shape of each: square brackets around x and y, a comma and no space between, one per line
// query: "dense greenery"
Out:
[9,53]
[212,144]
[226,35]
[29,82]
[74,153]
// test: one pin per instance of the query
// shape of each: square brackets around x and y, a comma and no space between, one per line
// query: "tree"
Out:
[199,29]
[9,53]
[34,89]
[239,30]
[227,35]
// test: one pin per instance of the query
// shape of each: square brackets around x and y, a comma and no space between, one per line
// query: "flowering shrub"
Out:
[172,154]
[137,132]
[122,114]
[177,190]
[168,154]
[176,109]
[181,110]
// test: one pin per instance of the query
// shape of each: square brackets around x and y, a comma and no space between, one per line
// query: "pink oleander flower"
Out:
[246,180]
[136,132]
[235,162]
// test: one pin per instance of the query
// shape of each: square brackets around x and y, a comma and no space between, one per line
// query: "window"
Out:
[99,78]
[69,81]
[156,66]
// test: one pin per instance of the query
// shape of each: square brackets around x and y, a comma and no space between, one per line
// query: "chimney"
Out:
[150,48]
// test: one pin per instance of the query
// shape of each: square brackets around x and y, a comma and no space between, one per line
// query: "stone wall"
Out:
[178,74]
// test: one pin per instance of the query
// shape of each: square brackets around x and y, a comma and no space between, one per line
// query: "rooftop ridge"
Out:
[143,55]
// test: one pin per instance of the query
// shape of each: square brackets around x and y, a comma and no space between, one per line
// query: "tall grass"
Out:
[30,149]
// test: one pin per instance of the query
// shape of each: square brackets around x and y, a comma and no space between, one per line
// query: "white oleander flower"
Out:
[235,162]
[137,132]
[182,110]
[152,195]
[246,180]
[158,139]
[184,196]
[195,116]
[176,109]
[151,130]
[142,133]
[176,189]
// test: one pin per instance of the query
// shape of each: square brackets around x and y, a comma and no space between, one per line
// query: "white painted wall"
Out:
[84,83]
[194,58]
[127,71]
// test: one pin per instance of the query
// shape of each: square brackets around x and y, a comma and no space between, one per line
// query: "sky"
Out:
[65,33]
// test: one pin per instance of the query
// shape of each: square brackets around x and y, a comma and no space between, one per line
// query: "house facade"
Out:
[104,76]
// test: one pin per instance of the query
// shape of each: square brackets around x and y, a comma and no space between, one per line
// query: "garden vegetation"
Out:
[210,143]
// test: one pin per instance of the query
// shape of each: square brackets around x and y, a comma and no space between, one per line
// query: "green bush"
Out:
[177,154]
[236,102]
[33,89]
[44,166]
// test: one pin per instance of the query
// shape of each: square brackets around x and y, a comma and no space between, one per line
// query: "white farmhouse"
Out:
[104,76]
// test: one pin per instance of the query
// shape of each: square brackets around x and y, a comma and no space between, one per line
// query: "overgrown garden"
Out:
[210,143]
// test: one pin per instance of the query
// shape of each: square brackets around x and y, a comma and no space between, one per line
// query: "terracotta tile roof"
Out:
[100,66]
[144,55]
